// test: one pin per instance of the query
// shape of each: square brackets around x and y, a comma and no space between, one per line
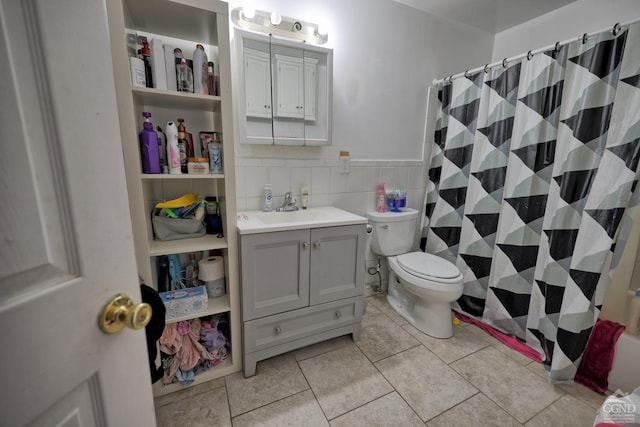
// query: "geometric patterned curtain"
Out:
[533,168]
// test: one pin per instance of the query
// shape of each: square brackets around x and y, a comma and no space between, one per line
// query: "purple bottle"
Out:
[149,147]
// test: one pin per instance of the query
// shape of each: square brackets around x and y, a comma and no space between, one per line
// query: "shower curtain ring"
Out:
[557,48]
[504,63]
[529,55]
[486,68]
[466,74]
[585,37]
[616,29]
[450,78]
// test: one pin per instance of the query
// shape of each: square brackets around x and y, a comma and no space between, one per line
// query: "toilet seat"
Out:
[428,266]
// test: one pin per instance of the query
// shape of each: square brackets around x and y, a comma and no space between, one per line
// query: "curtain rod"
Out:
[583,38]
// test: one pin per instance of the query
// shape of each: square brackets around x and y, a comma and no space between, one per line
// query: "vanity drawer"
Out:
[281,328]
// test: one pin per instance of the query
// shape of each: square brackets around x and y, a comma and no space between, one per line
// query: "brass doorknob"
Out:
[121,312]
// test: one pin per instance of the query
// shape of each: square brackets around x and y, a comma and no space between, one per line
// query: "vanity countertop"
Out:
[251,222]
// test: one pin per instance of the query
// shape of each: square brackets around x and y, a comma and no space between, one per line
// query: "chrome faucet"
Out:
[289,203]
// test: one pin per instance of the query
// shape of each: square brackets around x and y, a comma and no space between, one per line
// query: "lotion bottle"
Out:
[149,147]
[200,75]
[380,207]
[633,320]
[268,199]
[173,151]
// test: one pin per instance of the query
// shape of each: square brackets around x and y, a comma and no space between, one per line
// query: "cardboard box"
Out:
[185,302]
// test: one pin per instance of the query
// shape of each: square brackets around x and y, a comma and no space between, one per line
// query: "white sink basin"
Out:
[288,217]
[250,222]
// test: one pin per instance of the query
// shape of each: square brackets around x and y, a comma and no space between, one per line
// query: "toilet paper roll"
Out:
[211,268]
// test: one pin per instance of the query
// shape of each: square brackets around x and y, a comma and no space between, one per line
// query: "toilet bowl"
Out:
[421,286]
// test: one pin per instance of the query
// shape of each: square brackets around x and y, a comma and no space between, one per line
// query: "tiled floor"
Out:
[395,376]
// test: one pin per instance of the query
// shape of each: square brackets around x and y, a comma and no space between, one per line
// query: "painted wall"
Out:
[563,24]
[573,20]
[385,56]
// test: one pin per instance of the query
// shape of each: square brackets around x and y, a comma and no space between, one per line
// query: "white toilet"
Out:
[421,286]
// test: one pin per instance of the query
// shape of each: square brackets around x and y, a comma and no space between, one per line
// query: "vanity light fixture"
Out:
[274,24]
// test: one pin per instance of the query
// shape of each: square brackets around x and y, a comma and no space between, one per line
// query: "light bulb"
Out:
[248,12]
[275,18]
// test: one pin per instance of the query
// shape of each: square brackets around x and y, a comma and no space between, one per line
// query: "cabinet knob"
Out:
[277,330]
[305,245]
[338,314]
[316,244]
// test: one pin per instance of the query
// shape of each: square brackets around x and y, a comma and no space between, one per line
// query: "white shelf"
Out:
[196,244]
[183,176]
[216,305]
[223,368]
[175,99]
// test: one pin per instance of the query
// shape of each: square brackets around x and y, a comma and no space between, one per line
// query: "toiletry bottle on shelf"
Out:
[633,319]
[191,152]
[184,74]
[192,271]
[268,198]
[162,147]
[182,149]
[173,150]
[380,207]
[211,83]
[304,194]
[215,154]
[200,76]
[145,55]
[149,148]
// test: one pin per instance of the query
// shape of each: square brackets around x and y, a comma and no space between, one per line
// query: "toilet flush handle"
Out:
[386,226]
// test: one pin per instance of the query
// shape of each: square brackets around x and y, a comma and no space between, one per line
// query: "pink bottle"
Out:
[380,206]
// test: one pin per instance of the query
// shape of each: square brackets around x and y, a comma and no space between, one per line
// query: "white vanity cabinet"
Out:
[300,287]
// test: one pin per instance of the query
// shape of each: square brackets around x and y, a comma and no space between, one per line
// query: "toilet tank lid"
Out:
[427,265]
[407,213]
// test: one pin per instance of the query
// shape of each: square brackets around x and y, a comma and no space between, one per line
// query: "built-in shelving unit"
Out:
[189,22]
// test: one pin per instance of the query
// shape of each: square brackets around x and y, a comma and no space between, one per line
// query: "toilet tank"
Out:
[393,232]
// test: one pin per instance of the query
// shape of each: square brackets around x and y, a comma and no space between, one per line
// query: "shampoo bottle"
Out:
[215,155]
[200,75]
[145,55]
[173,151]
[380,207]
[268,198]
[149,148]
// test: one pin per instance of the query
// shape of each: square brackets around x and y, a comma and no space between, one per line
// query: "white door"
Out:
[65,232]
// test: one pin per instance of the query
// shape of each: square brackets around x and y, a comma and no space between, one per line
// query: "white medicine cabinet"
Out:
[284,91]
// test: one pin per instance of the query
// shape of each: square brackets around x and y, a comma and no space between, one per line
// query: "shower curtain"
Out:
[533,169]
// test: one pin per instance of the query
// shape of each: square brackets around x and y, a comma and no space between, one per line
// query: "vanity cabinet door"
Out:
[257,79]
[310,65]
[337,263]
[275,272]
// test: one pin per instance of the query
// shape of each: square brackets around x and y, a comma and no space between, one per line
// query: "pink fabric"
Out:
[597,359]
[507,340]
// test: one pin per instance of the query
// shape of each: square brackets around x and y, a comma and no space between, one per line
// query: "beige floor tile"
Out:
[202,410]
[343,379]
[507,351]
[389,410]
[301,409]
[382,338]
[323,347]
[585,394]
[477,411]
[380,302]
[188,392]
[425,382]
[512,386]
[369,309]
[461,344]
[275,378]
[538,369]
[566,411]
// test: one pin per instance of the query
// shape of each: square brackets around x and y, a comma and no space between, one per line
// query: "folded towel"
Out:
[597,359]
